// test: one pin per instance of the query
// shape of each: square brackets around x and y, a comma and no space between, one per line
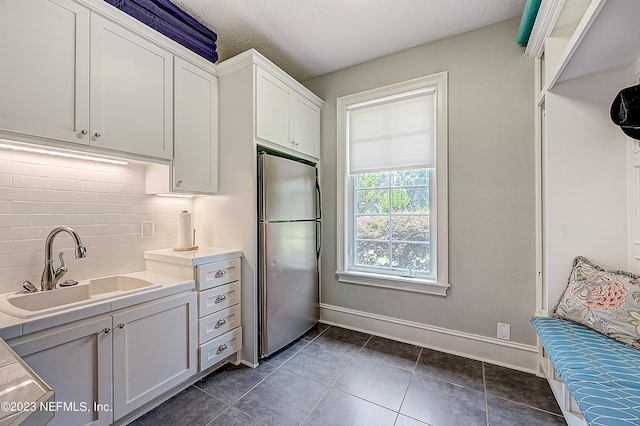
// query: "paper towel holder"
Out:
[190,248]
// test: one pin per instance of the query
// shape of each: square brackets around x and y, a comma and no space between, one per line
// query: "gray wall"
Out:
[491,183]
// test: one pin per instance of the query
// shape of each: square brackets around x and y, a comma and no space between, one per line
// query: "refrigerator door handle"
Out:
[318,198]
[318,222]
[318,238]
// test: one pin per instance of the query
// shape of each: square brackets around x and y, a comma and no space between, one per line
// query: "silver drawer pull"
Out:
[121,326]
[221,348]
[220,323]
[220,273]
[221,298]
[106,330]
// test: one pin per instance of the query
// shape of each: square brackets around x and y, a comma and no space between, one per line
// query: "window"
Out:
[392,186]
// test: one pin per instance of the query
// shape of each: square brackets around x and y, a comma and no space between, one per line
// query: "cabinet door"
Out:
[195,159]
[75,361]
[44,70]
[306,127]
[131,92]
[273,109]
[154,349]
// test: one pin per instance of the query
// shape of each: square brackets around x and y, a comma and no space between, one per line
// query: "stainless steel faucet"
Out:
[50,277]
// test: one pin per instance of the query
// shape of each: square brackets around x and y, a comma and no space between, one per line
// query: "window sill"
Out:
[415,285]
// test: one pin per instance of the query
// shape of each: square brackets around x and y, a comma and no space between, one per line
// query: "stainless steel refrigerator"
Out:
[290,232]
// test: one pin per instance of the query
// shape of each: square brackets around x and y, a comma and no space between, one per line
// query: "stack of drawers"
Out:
[220,333]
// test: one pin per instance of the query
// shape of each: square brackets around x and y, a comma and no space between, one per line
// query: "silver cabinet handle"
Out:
[179,182]
[220,273]
[97,135]
[221,348]
[221,298]
[106,330]
[121,326]
[83,132]
[220,323]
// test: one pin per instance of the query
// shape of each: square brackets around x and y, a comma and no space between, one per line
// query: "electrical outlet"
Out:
[504,331]
[147,229]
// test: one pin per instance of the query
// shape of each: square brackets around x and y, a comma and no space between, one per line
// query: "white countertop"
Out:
[11,326]
[27,389]
[194,257]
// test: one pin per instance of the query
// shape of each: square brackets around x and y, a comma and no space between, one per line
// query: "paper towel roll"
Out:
[184,229]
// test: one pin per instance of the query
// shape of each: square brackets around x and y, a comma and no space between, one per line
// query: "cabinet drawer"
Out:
[219,323]
[218,298]
[218,273]
[219,348]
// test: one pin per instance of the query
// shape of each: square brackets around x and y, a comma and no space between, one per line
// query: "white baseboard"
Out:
[514,355]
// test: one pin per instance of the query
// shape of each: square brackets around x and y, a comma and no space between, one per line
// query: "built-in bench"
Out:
[601,374]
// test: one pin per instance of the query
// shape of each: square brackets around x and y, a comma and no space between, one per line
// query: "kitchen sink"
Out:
[27,305]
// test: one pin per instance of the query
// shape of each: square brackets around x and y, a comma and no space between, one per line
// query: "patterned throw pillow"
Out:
[605,301]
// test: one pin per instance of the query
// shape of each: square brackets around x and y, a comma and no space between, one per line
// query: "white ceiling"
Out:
[308,38]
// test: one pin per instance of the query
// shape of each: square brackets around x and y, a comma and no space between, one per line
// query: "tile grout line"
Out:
[406,391]
[486,398]
[276,368]
[338,377]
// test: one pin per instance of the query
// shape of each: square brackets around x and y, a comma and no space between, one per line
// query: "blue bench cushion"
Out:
[602,375]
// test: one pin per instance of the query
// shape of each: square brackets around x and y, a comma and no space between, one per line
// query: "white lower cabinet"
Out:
[217,349]
[219,312]
[154,349]
[76,362]
[104,368]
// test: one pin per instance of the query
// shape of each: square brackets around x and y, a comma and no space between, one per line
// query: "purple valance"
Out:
[166,18]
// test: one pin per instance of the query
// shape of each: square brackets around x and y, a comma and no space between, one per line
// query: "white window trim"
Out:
[440,285]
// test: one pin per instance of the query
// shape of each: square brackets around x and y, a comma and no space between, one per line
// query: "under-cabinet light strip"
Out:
[175,195]
[62,154]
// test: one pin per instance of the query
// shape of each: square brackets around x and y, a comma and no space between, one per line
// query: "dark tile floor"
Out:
[334,376]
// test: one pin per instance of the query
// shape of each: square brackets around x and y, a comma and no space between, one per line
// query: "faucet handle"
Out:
[27,287]
[61,270]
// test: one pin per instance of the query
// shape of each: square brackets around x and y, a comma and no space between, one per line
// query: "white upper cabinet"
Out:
[284,117]
[306,126]
[44,71]
[195,162]
[131,92]
[70,75]
[273,109]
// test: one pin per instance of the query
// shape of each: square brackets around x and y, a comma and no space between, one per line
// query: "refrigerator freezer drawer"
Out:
[218,273]
[218,298]
[287,190]
[219,323]
[219,348]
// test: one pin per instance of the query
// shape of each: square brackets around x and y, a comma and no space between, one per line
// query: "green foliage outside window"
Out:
[392,220]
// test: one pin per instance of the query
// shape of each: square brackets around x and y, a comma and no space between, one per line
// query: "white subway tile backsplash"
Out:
[47,195]
[66,185]
[82,197]
[96,187]
[28,207]
[104,203]
[109,198]
[11,220]
[30,182]
[14,194]
[27,259]
[122,188]
[120,209]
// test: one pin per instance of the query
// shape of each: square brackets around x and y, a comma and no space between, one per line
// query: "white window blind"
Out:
[396,132]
